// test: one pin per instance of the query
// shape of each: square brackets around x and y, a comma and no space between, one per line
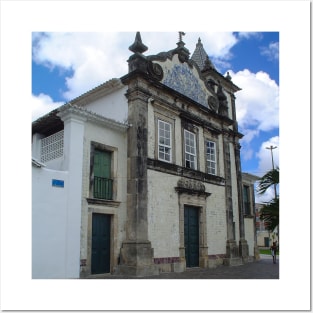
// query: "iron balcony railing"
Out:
[103,188]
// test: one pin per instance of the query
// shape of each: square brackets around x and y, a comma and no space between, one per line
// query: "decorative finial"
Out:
[180,36]
[138,46]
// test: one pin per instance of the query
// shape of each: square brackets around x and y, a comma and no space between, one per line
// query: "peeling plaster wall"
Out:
[249,234]
[216,220]
[117,142]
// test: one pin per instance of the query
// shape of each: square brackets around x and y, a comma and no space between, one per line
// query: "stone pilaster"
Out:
[136,255]
[232,250]
[243,244]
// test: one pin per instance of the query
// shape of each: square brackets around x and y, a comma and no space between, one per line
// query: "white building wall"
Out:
[52,230]
[73,163]
[216,220]
[57,212]
[163,214]
[113,105]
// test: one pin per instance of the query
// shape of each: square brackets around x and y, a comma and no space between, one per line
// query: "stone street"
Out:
[261,269]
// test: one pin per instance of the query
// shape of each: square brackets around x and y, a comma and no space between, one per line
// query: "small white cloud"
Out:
[247,154]
[265,157]
[258,103]
[271,51]
[42,105]
[248,35]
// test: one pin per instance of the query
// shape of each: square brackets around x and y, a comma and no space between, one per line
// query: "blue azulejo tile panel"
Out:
[182,79]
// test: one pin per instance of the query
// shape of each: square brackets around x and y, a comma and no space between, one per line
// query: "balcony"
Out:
[103,188]
[51,147]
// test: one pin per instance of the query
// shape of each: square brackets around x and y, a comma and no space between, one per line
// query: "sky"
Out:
[65,65]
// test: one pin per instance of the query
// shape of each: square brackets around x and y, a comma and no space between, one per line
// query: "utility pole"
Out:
[275,193]
[272,148]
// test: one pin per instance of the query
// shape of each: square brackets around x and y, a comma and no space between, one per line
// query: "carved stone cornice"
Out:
[193,187]
[184,172]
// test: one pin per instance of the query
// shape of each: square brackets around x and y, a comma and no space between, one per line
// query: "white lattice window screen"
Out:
[52,147]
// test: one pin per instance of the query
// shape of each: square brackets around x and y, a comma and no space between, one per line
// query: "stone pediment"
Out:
[183,77]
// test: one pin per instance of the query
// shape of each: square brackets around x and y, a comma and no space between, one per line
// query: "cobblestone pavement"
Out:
[261,269]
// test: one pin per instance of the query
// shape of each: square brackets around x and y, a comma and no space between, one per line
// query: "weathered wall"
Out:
[216,220]
[249,234]
[116,142]
[163,214]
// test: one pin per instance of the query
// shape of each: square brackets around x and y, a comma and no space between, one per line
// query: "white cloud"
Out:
[42,105]
[264,155]
[258,102]
[94,58]
[248,35]
[271,52]
[91,57]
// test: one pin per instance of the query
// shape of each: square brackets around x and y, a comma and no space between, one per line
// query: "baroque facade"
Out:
[156,187]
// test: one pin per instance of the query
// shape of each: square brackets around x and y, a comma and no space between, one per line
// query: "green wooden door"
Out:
[100,255]
[102,175]
[191,228]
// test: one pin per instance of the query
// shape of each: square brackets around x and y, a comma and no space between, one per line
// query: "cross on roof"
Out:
[181,34]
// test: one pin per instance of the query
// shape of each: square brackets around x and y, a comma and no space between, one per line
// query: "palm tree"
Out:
[270,210]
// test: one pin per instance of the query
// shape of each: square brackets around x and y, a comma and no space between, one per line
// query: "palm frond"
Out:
[270,179]
[269,213]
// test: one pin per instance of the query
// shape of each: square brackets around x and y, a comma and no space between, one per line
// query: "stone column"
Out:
[136,258]
[232,252]
[243,245]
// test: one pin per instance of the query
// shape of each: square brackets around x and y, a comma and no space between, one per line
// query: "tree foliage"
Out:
[270,214]
[270,211]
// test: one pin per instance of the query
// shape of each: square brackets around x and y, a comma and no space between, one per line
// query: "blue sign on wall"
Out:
[57,183]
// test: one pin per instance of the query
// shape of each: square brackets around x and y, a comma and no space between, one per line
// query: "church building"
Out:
[156,187]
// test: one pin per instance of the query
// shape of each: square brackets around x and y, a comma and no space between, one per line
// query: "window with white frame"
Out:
[190,150]
[211,157]
[165,142]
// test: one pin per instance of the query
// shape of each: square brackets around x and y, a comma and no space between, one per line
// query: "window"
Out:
[103,184]
[165,145]
[190,150]
[246,200]
[211,157]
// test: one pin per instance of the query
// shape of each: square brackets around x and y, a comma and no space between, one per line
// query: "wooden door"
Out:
[191,228]
[101,238]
